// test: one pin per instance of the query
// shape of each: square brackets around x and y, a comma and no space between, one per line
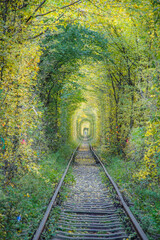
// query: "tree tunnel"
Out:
[75,69]
[84,122]
[85,128]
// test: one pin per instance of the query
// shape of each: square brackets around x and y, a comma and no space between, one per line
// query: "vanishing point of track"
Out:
[89,211]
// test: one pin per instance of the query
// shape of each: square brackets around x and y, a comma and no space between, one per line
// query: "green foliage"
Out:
[28,197]
[50,66]
[62,54]
[135,147]
[146,201]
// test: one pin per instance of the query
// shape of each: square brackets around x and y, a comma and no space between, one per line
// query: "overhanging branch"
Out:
[41,33]
[35,11]
[51,11]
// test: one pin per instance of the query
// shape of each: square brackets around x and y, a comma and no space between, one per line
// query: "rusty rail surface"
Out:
[136,225]
[49,208]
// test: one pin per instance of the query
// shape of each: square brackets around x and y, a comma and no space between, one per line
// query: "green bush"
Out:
[146,201]
[135,147]
[24,202]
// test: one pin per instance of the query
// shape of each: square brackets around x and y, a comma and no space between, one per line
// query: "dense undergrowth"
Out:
[24,203]
[141,196]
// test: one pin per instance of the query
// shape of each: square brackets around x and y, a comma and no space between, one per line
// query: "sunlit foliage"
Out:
[56,55]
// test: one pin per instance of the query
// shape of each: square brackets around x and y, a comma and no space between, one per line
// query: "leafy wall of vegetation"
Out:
[56,55]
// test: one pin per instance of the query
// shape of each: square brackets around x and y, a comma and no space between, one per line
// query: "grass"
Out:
[24,203]
[146,205]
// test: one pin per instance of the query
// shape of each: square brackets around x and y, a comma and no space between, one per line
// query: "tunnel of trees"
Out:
[67,66]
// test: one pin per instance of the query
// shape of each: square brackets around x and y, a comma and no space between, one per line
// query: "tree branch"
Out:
[114,91]
[23,6]
[35,11]
[113,75]
[43,14]
[40,34]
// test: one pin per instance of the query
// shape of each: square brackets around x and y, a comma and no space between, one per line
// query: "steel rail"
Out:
[136,225]
[49,208]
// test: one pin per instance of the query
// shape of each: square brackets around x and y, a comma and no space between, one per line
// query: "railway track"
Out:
[89,211]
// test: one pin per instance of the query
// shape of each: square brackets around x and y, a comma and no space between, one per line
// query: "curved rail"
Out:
[46,215]
[136,225]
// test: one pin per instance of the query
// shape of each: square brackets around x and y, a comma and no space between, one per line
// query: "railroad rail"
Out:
[89,212]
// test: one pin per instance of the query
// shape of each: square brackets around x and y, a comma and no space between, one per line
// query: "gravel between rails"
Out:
[88,211]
